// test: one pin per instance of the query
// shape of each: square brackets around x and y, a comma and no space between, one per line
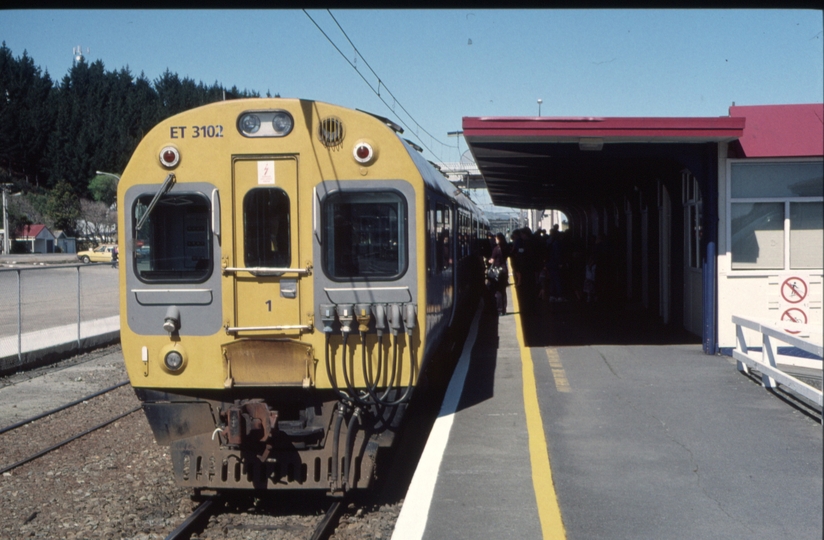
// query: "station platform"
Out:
[590,421]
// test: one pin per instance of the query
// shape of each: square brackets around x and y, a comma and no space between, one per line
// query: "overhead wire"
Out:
[380,83]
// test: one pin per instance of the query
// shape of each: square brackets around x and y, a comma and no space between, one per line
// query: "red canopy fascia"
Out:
[613,129]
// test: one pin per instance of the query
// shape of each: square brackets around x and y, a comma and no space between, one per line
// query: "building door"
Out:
[693,275]
[644,253]
[664,251]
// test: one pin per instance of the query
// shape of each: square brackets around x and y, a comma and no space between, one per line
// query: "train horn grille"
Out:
[330,132]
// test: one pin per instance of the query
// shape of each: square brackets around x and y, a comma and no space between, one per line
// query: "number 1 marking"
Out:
[269,303]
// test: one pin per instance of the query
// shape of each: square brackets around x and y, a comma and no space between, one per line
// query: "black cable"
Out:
[339,413]
[349,384]
[331,372]
[413,368]
[347,455]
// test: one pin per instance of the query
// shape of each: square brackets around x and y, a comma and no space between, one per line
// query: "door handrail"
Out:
[236,329]
[269,271]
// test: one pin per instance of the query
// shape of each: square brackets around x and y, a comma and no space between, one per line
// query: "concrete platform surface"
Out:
[645,436]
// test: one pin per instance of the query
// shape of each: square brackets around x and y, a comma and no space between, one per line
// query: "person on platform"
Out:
[498,286]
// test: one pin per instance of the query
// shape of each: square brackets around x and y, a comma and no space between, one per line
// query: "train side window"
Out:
[174,244]
[365,235]
[430,232]
[266,238]
[440,216]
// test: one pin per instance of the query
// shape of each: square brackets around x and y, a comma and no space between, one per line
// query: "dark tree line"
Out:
[56,132]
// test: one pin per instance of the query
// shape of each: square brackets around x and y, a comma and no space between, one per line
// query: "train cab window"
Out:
[266,238]
[364,235]
[174,243]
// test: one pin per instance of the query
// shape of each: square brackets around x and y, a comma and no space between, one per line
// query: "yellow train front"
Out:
[289,268]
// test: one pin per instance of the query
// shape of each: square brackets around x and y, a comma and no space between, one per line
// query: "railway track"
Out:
[198,521]
[62,408]
[8,433]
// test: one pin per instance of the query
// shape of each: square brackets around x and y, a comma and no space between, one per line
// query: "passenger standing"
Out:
[553,266]
[499,255]
[604,263]
[517,255]
[589,279]
[531,267]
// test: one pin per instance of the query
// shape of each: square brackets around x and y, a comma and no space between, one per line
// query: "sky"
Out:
[437,66]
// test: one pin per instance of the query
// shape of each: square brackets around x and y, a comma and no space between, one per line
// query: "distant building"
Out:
[63,243]
[38,238]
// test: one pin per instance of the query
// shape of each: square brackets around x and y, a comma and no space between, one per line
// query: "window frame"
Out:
[208,235]
[785,200]
[268,189]
[403,237]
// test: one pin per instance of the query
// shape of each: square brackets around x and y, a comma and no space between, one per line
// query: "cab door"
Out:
[266,265]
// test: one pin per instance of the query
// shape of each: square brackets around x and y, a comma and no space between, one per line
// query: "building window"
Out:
[806,235]
[775,215]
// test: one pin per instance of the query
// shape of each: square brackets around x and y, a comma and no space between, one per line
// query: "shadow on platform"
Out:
[560,324]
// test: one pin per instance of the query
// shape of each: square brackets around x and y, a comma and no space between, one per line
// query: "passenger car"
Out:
[99,254]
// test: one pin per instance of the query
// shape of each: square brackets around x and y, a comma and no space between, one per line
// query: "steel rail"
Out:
[58,409]
[327,525]
[70,439]
[201,513]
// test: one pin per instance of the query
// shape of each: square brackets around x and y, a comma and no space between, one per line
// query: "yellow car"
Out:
[99,254]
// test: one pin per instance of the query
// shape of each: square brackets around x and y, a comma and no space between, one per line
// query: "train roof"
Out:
[436,181]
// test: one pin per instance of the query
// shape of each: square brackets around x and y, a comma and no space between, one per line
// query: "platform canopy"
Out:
[550,162]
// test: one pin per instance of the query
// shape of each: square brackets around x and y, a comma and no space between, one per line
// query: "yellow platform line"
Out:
[558,373]
[549,512]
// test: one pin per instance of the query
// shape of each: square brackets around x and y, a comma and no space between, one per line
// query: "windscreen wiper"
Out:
[167,185]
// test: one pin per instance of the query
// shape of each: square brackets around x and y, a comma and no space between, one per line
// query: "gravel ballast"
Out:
[116,482]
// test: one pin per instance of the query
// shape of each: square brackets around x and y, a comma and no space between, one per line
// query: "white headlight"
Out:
[249,123]
[263,123]
[173,360]
[282,123]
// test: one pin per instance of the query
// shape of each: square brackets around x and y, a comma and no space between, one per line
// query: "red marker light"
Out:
[169,156]
[363,152]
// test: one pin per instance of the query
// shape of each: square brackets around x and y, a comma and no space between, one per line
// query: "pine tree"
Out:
[64,207]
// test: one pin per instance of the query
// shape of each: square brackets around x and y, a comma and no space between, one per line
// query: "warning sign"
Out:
[798,300]
[794,315]
[794,290]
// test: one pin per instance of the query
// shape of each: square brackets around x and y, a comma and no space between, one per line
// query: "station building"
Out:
[705,218]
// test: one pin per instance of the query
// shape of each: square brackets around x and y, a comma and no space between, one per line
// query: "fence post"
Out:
[78,307]
[742,346]
[19,320]
[768,357]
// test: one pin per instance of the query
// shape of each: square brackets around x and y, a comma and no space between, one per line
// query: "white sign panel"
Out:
[266,172]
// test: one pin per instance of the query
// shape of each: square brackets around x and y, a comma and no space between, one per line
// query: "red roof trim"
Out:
[782,130]
[29,231]
[718,128]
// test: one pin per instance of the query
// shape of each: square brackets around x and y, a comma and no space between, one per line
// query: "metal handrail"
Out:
[78,322]
[765,360]
[25,266]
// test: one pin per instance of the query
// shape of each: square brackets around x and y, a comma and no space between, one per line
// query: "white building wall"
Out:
[768,295]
